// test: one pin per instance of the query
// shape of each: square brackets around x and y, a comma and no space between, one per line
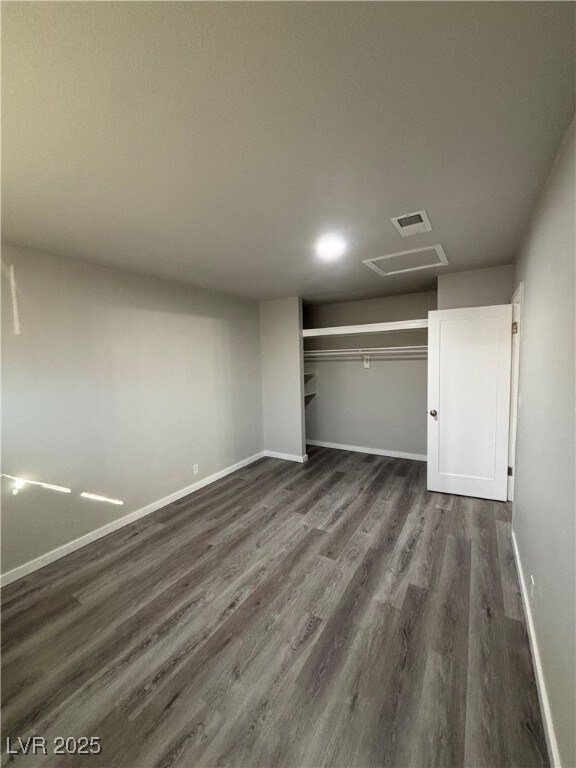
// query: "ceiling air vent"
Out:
[408,261]
[412,223]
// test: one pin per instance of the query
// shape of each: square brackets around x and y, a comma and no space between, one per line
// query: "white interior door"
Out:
[469,359]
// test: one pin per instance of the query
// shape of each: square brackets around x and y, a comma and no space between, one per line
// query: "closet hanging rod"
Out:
[354,330]
[414,352]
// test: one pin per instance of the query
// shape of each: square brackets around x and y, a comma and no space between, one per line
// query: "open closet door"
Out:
[469,359]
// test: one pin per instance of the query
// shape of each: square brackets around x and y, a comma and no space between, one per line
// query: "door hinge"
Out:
[510,471]
[514,327]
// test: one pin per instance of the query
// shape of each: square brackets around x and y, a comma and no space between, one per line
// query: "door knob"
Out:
[434,413]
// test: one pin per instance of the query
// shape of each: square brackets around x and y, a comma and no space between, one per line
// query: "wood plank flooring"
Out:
[327,614]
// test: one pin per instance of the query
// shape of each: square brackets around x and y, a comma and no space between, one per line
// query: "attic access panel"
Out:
[408,261]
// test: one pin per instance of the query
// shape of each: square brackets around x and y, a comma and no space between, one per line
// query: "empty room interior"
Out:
[288,384]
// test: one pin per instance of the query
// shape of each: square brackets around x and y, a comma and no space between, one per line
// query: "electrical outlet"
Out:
[532,585]
[196,469]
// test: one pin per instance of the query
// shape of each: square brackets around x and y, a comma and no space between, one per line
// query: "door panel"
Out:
[469,389]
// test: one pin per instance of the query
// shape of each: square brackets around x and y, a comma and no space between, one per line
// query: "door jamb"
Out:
[515,397]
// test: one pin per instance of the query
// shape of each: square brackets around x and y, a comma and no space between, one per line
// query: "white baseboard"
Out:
[72,546]
[376,451]
[551,742]
[286,456]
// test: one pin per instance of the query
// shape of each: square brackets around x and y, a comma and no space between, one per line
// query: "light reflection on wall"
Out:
[95,497]
[20,483]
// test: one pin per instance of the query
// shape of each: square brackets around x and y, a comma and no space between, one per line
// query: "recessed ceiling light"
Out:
[331,246]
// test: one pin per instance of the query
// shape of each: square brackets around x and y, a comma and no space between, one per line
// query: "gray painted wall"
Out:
[117,385]
[544,491]
[282,377]
[407,306]
[476,287]
[380,408]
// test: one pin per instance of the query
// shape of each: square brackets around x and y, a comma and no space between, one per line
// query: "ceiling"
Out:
[212,143]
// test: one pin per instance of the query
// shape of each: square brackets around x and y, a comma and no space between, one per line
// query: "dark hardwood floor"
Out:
[327,614]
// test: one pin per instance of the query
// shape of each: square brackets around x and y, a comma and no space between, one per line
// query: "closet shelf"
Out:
[374,353]
[354,330]
[309,374]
